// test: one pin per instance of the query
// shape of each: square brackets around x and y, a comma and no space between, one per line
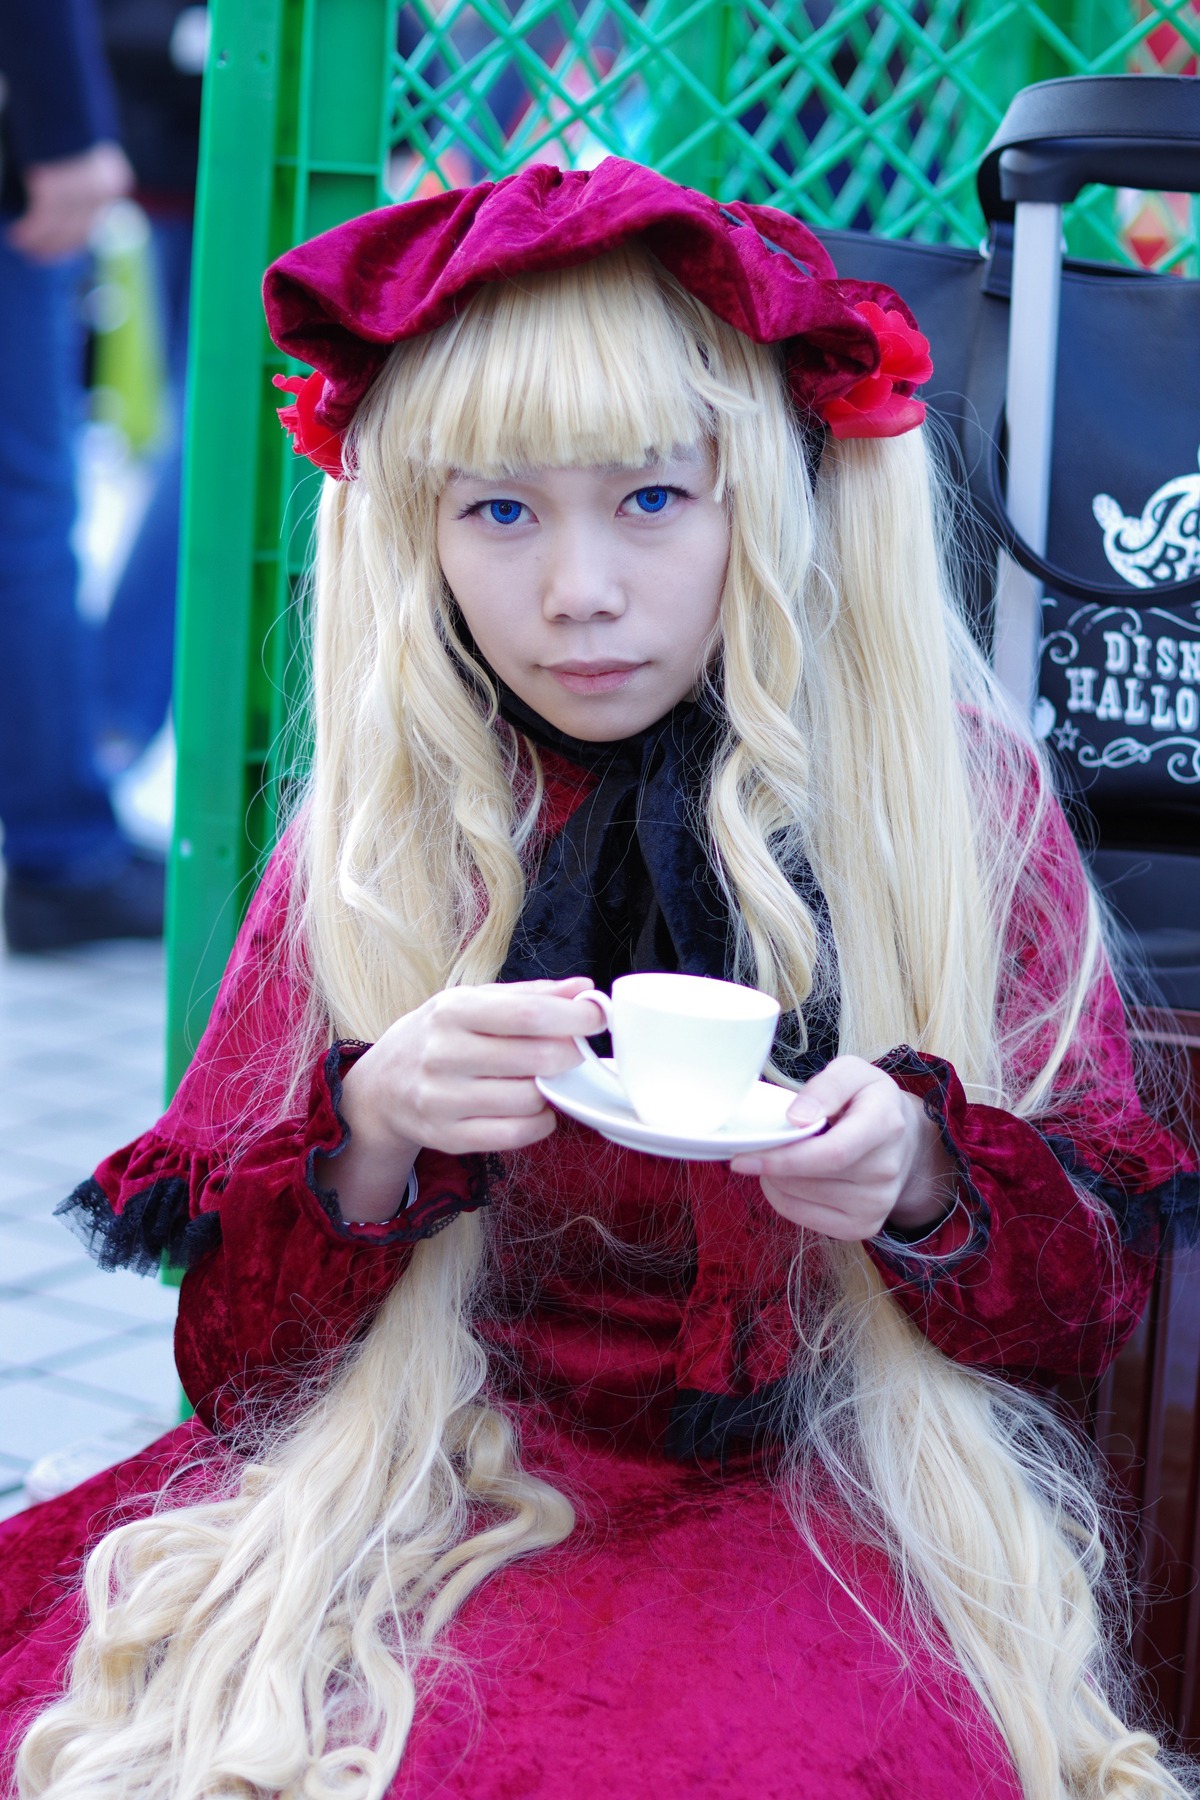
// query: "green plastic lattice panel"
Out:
[294,140]
[851,112]
[867,113]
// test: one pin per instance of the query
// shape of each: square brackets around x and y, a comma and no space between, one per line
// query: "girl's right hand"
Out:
[457,1074]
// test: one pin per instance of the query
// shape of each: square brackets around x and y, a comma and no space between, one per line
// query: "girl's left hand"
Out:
[880,1161]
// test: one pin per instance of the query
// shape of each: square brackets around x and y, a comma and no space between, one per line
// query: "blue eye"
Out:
[505,512]
[652,499]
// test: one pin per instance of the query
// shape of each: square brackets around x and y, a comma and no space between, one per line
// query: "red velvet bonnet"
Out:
[341,300]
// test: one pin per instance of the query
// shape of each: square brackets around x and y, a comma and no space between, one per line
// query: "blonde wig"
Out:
[270,1642]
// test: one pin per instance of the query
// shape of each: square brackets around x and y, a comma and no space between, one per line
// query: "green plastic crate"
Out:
[851,112]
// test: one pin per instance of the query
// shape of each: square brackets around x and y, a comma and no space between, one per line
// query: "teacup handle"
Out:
[581,1044]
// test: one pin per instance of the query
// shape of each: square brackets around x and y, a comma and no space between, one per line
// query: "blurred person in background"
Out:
[155,51]
[71,877]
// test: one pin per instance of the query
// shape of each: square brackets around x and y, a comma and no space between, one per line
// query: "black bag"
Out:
[1119,687]
[1119,668]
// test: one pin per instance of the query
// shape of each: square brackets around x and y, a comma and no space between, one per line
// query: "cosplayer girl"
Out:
[524,1465]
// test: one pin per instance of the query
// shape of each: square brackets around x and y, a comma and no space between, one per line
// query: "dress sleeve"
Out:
[225,1186]
[1043,1267]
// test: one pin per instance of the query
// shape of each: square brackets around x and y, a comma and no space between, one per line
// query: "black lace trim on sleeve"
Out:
[152,1226]
[1174,1205]
[902,1254]
[434,1208]
[331,1071]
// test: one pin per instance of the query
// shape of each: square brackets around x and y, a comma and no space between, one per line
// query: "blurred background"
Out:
[99,145]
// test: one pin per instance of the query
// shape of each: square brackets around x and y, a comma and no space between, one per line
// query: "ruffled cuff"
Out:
[965,1231]
[1025,1275]
[153,1226]
[1166,1211]
[442,1186]
[1159,1196]
[159,1198]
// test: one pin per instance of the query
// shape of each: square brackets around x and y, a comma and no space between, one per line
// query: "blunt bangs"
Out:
[611,362]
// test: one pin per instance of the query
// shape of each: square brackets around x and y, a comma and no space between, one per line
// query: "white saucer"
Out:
[591,1094]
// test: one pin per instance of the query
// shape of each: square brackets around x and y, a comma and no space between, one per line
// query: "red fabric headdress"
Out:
[854,353]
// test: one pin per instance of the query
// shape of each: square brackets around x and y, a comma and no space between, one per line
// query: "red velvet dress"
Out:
[682,1640]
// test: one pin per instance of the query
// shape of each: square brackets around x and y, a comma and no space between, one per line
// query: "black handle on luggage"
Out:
[1121,130]
[993,507]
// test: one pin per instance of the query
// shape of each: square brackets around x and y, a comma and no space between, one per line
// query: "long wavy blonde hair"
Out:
[273,1641]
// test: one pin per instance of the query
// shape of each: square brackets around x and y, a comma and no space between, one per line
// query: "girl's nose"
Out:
[581,581]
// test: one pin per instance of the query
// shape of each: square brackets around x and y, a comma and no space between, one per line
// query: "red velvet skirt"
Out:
[682,1642]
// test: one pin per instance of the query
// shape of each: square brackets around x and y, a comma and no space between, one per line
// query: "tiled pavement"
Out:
[85,1357]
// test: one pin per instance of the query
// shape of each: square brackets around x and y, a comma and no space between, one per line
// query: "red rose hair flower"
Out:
[309,436]
[882,405]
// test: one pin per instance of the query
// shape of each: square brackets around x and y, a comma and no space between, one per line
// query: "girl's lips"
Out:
[582,678]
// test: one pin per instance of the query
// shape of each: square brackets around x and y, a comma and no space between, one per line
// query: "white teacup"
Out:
[687,1049]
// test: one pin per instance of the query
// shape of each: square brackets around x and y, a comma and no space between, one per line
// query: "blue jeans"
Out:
[58,824]
[137,639]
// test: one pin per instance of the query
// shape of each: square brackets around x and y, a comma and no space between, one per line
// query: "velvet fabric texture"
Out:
[682,1638]
[341,300]
[681,1642]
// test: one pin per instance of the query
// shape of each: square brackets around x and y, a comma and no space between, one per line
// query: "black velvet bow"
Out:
[627,883]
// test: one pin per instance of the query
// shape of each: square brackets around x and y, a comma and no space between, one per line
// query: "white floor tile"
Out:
[137,1375]
[84,1356]
[36,1230]
[48,1090]
[75,1156]
[36,1418]
[156,1413]
[30,1203]
[90,1308]
[23,1168]
[31,1336]
[24,1259]
[142,1298]
[88,1124]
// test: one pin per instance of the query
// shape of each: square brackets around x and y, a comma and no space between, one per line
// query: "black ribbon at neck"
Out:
[628,885]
